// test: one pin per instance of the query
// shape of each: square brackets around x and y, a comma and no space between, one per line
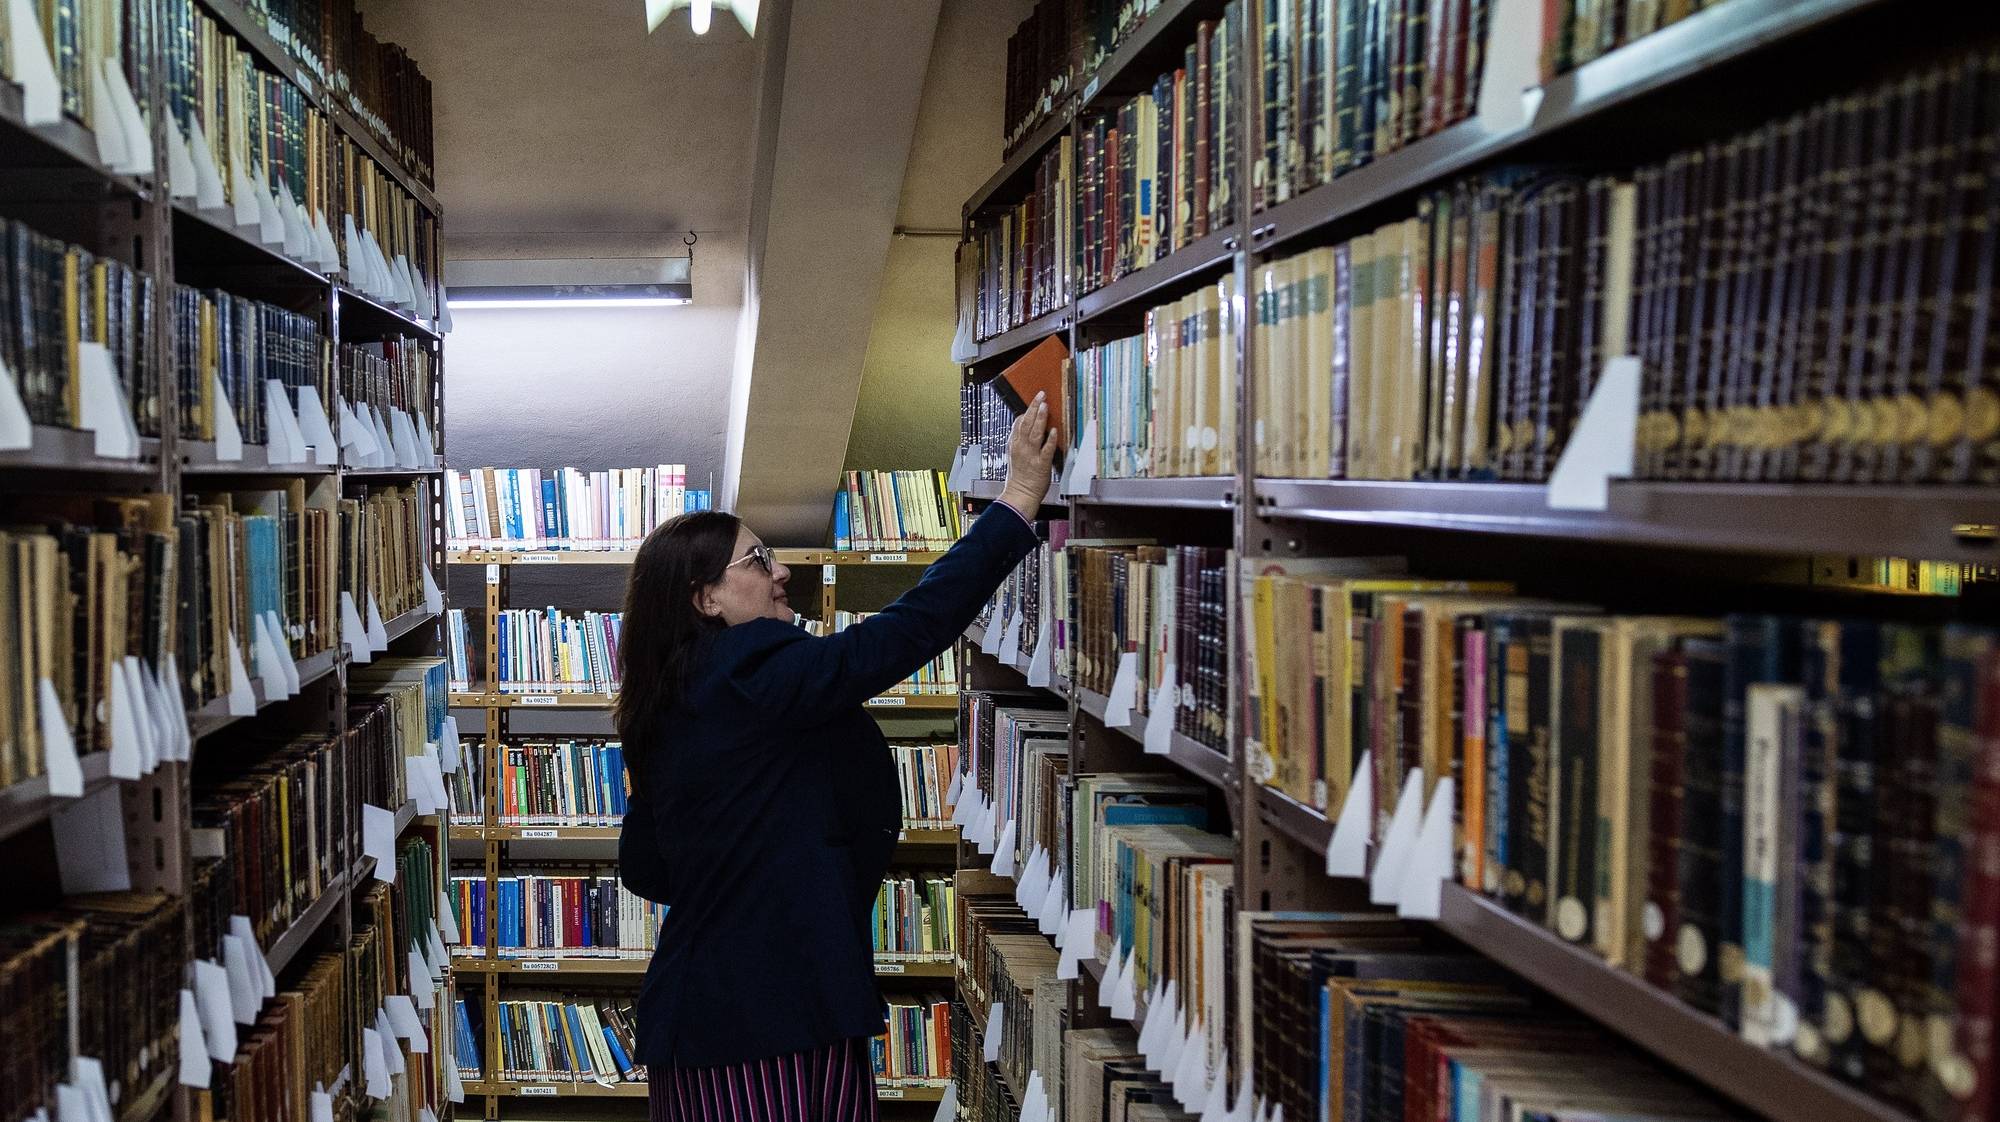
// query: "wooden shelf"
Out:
[469,964]
[215,715]
[1784,518]
[910,1092]
[52,448]
[909,837]
[479,556]
[1131,295]
[479,700]
[506,1088]
[899,968]
[867,558]
[1190,755]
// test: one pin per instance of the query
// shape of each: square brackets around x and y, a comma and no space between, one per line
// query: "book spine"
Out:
[1573,853]
[1697,940]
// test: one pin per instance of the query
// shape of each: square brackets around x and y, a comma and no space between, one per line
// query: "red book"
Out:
[1042,370]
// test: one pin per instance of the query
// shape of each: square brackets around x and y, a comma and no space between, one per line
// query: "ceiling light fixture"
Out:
[592,282]
[701,11]
[565,296]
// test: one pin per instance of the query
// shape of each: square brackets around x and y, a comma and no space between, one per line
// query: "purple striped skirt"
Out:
[833,1083]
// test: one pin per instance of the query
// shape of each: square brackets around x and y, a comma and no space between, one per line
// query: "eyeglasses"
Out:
[761,554]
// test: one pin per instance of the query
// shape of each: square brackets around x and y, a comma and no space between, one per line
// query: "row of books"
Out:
[377,81]
[396,709]
[540,650]
[226,348]
[1362,1014]
[985,425]
[912,918]
[62,307]
[1583,32]
[938,676]
[384,546]
[562,1038]
[1033,599]
[560,913]
[1016,759]
[392,375]
[1159,171]
[1760,814]
[274,814]
[917,1044]
[924,771]
[1167,608]
[85,42]
[1346,82]
[565,782]
[564,508]
[1008,962]
[894,510]
[1020,261]
[252,557]
[261,148]
[1052,53]
[1163,403]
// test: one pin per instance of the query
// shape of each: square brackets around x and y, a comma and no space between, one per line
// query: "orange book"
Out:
[1042,370]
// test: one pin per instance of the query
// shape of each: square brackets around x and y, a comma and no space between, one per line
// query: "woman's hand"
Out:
[1031,452]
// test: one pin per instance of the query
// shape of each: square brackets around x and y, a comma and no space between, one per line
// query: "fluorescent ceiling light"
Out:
[699,12]
[475,301]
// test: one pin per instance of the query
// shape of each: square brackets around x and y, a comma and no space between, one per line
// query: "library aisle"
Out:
[1512,628]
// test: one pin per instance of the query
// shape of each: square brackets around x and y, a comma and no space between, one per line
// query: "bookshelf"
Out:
[485,971]
[58,185]
[1705,77]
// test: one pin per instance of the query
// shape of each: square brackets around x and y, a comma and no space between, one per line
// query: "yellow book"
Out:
[1264,361]
[1225,375]
[1361,359]
[1411,345]
[1316,330]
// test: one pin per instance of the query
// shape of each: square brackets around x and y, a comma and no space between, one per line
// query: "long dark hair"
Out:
[662,627]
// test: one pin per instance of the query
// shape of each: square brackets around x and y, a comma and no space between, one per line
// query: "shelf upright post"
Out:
[497,587]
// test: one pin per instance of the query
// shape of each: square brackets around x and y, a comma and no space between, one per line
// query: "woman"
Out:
[765,804]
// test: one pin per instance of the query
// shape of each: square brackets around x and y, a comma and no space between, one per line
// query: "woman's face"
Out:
[746,591]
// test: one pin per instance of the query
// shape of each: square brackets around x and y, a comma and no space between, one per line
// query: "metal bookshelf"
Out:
[1645,97]
[67,191]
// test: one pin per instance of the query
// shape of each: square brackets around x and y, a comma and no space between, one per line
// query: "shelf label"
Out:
[537,558]
[536,699]
[539,965]
[890,700]
[532,1089]
[888,1092]
[541,834]
[826,574]
[890,968]
[888,558]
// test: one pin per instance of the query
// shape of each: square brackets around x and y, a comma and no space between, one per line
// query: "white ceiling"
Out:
[559,117]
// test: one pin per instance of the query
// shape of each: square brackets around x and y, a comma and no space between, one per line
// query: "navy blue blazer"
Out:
[766,812]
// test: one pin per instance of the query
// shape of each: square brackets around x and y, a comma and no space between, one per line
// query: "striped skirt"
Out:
[834,1083]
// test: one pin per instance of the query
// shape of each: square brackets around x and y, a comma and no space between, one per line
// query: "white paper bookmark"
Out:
[1385,885]
[228,435]
[385,450]
[1176,1033]
[17,431]
[448,749]
[322,1105]
[1038,663]
[954,480]
[1601,447]
[32,67]
[87,1074]
[65,771]
[352,631]
[951,793]
[1149,1033]
[1010,643]
[1428,865]
[1081,465]
[392,1052]
[1215,1107]
[242,195]
[270,215]
[241,699]
[195,1068]
[995,1021]
[1078,935]
[276,687]
[260,968]
[1034,882]
[283,442]
[426,441]
[1003,857]
[420,790]
[138,138]
[1124,691]
[282,644]
[208,192]
[1347,849]
[183,182]
[376,1069]
[947,1108]
[447,917]
[378,840]
[378,634]
[128,753]
[218,1021]
[990,640]
[291,217]
[1513,65]
[112,149]
[1124,997]
[106,412]
[317,428]
[245,997]
[170,686]
[1160,709]
[1107,986]
[454,1084]
[403,1018]
[1054,901]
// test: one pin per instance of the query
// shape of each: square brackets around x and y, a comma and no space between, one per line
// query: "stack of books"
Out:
[894,510]
[543,650]
[64,306]
[1168,609]
[1164,403]
[566,782]
[564,508]
[581,913]
[912,919]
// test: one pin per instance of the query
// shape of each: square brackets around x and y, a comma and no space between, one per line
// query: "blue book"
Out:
[617,1051]
[551,528]
[840,519]
[618,786]
[582,1059]
[506,1039]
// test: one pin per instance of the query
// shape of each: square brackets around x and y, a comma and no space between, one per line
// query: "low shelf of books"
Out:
[550,937]
[222,639]
[1529,599]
